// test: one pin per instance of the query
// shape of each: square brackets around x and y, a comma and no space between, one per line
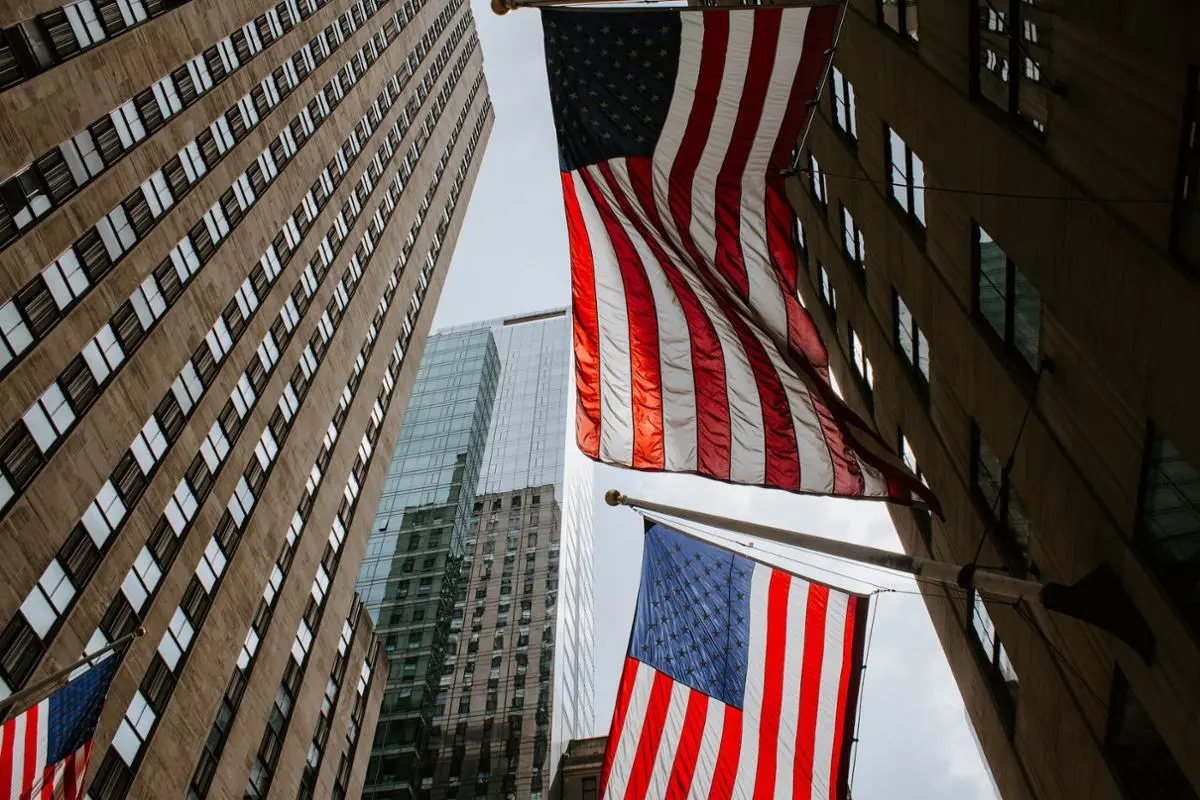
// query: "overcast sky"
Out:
[915,742]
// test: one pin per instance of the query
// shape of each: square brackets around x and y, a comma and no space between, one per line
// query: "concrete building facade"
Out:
[515,679]
[223,231]
[997,221]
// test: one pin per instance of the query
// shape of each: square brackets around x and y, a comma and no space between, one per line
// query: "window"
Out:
[906,178]
[862,366]
[900,16]
[1143,762]
[826,290]
[1003,509]
[14,334]
[843,104]
[1169,522]
[149,445]
[49,418]
[1006,300]
[103,354]
[911,341]
[816,181]
[1185,218]
[999,668]
[853,244]
[909,457]
[801,245]
[1011,50]
[66,279]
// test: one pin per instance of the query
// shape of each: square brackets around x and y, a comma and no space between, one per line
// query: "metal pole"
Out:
[19,699]
[940,571]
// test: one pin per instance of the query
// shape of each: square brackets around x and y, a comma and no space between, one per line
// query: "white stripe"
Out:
[793,663]
[789,48]
[43,740]
[18,757]
[745,408]
[720,134]
[616,382]
[831,676]
[668,745]
[691,43]
[631,732]
[766,295]
[760,582]
[816,468]
[710,743]
[674,339]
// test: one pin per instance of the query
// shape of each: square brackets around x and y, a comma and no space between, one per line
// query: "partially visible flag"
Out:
[44,751]
[692,351]
[741,680]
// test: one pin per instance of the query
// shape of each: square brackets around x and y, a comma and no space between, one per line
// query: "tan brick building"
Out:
[998,217]
[224,228]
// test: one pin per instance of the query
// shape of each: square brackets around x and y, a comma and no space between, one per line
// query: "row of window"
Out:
[42,42]
[45,299]
[263,769]
[206,767]
[1008,305]
[61,171]
[341,781]
[51,599]
[333,688]
[29,444]
[120,764]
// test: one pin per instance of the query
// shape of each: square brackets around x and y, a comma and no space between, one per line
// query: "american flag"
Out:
[741,680]
[44,751]
[692,351]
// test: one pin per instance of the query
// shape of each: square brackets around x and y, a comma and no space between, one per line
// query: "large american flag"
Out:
[44,750]
[741,680]
[692,351]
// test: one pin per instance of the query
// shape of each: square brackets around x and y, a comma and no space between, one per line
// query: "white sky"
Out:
[914,740]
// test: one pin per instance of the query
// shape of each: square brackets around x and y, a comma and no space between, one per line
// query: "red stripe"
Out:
[624,692]
[708,360]
[30,769]
[810,690]
[730,260]
[586,326]
[47,785]
[842,723]
[803,336]
[690,737]
[652,731]
[645,368]
[727,756]
[818,39]
[772,701]
[7,739]
[782,454]
[695,134]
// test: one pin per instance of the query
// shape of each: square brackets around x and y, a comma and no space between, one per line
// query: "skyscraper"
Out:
[223,229]
[998,224]
[516,677]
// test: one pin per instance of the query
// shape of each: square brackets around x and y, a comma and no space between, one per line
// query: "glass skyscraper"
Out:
[511,680]
[413,564]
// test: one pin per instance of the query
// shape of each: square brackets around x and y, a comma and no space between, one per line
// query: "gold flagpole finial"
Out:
[500,7]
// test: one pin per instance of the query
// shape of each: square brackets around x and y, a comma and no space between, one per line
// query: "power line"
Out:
[787,173]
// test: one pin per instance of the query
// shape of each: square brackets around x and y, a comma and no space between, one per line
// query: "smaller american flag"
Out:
[44,751]
[740,682]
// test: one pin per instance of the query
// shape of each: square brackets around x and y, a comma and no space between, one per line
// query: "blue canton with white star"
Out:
[693,614]
[75,709]
[611,79]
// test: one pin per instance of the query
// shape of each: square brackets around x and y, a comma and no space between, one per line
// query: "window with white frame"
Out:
[49,418]
[844,116]
[911,341]
[906,177]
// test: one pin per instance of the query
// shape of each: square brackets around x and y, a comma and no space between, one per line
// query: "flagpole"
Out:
[1098,598]
[20,699]
[926,568]
[502,7]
